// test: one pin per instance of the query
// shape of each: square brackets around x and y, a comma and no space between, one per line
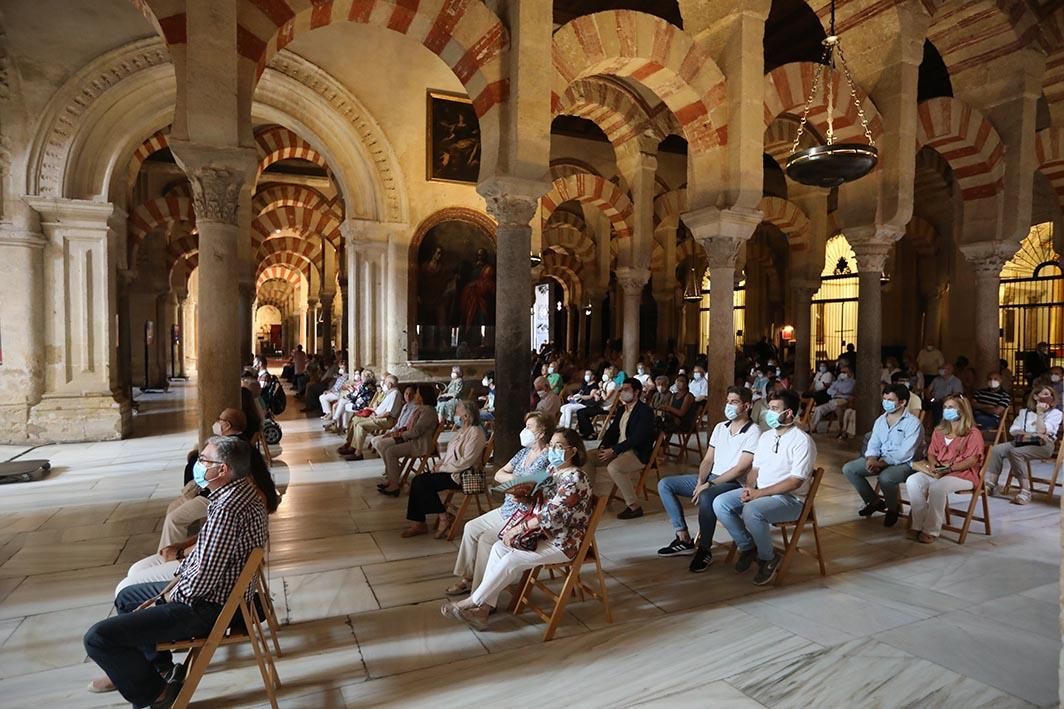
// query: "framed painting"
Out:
[453,136]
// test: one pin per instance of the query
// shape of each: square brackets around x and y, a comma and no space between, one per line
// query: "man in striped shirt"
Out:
[989,404]
[187,607]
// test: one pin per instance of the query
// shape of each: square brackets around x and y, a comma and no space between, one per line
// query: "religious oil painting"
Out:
[456,292]
[453,139]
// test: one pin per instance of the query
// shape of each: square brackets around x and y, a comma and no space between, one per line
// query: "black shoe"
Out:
[387,492]
[677,548]
[629,513]
[746,560]
[176,673]
[891,519]
[169,695]
[701,561]
[766,571]
[872,507]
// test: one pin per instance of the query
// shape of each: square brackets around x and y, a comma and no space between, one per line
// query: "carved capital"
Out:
[217,175]
[512,202]
[632,280]
[804,289]
[872,245]
[722,232]
[987,258]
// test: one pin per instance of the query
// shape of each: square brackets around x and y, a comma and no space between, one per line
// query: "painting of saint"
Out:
[454,139]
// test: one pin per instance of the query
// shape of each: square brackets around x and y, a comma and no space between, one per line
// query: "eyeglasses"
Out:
[201,459]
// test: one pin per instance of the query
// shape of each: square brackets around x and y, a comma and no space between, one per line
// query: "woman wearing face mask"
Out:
[953,461]
[480,534]
[550,533]
[465,451]
[448,400]
[1034,434]
[602,400]
[578,400]
[487,401]
[680,411]
[554,376]
[642,375]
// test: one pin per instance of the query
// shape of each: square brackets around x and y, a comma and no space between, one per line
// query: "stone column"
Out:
[345,309]
[125,335]
[632,281]
[513,204]
[182,299]
[21,336]
[163,319]
[246,296]
[721,233]
[802,291]
[987,258]
[311,324]
[217,176]
[666,320]
[326,325]
[78,302]
[871,245]
[595,336]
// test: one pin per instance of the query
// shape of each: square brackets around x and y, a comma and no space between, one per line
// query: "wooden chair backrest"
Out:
[700,407]
[807,507]
[609,417]
[252,566]
[598,510]
[436,437]
[489,447]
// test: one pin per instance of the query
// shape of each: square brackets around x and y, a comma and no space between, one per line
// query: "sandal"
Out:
[414,531]
[459,589]
[443,525]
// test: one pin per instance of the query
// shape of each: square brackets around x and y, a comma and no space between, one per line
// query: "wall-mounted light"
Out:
[587,309]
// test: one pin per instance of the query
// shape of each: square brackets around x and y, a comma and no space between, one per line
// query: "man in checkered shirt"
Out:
[186,607]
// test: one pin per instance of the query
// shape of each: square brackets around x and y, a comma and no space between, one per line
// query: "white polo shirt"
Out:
[699,388]
[727,447]
[780,456]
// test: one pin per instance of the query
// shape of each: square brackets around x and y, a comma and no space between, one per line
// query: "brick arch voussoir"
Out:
[787,89]
[1049,150]
[299,219]
[967,141]
[157,213]
[789,219]
[595,191]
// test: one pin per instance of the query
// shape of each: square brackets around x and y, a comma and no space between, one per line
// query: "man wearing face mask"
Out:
[727,461]
[384,416]
[332,394]
[627,444]
[124,645]
[578,400]
[990,403]
[699,385]
[896,435]
[549,403]
[775,488]
[945,384]
[839,394]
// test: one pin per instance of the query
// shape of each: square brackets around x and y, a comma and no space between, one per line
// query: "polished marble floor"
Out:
[894,624]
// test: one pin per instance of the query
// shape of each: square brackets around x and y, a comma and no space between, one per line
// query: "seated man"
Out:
[186,607]
[549,402]
[384,416]
[990,403]
[627,445]
[416,439]
[945,384]
[578,400]
[775,488]
[699,385]
[332,394]
[896,435]
[821,381]
[839,394]
[728,458]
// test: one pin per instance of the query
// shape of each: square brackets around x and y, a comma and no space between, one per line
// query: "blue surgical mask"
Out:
[772,418]
[731,412]
[555,458]
[888,405]
[199,473]
[951,414]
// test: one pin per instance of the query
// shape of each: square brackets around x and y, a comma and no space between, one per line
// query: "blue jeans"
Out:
[750,524]
[890,478]
[987,422]
[124,645]
[675,488]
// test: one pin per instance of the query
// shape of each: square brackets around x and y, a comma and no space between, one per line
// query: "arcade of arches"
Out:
[184,183]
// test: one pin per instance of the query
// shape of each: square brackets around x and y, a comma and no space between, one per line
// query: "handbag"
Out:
[526,541]
[473,482]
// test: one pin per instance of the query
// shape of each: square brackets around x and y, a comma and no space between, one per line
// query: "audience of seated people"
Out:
[840,395]
[678,414]
[332,394]
[602,402]
[416,439]
[1034,434]
[374,420]
[990,403]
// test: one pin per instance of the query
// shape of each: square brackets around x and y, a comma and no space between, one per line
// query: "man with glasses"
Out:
[775,488]
[150,613]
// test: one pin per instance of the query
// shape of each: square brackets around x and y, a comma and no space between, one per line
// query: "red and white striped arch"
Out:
[595,191]
[298,219]
[182,248]
[658,55]
[565,268]
[307,249]
[693,252]
[668,208]
[158,213]
[1049,149]
[787,89]
[965,140]
[789,219]
[567,231]
[614,110]
[287,267]
[276,143]
[156,142]
[274,195]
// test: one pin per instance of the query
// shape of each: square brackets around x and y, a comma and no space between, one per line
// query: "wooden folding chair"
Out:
[1051,482]
[968,513]
[417,464]
[572,584]
[651,466]
[683,443]
[459,515]
[201,650]
[807,413]
[790,545]
[259,441]
[603,420]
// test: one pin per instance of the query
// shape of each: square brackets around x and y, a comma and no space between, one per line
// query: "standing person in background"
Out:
[299,368]
[1036,363]
[929,361]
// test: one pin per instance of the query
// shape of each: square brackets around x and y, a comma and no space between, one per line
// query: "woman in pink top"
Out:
[954,459]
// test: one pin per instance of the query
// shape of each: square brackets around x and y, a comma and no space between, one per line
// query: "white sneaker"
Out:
[992,489]
[1022,497]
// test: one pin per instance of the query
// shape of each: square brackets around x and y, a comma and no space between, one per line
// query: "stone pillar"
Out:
[595,336]
[79,302]
[163,319]
[125,335]
[345,309]
[513,204]
[721,233]
[632,281]
[246,293]
[22,373]
[871,245]
[326,325]
[182,300]
[217,176]
[666,321]
[987,258]
[311,325]
[802,291]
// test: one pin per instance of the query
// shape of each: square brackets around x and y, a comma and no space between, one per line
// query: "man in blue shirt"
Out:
[889,454]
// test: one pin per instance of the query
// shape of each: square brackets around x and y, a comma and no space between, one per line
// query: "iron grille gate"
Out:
[1031,310]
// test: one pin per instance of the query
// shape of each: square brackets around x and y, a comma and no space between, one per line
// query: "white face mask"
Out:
[485,381]
[823,368]
[843,377]
[641,370]
[698,375]
[942,372]
[627,396]
[589,378]
[994,384]
[1055,378]
[605,377]
[550,370]
[527,438]
[216,429]
[454,375]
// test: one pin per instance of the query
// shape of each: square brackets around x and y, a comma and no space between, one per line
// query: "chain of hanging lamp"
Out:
[831,44]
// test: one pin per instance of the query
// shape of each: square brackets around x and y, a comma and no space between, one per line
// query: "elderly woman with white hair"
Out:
[450,397]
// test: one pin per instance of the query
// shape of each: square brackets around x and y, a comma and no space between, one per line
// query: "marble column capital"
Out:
[722,232]
[512,201]
[872,245]
[632,279]
[987,258]
[217,175]
[326,299]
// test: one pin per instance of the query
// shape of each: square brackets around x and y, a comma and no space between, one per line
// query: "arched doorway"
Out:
[834,316]
[1031,298]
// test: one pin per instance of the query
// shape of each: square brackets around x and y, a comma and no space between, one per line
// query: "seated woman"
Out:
[660,395]
[554,376]
[1034,433]
[487,400]
[602,400]
[480,534]
[680,412]
[953,461]
[465,451]
[550,533]
[578,400]
[448,400]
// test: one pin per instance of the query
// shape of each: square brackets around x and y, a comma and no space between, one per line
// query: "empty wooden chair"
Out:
[571,583]
[201,650]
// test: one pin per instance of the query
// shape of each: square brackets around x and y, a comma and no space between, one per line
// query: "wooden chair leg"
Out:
[254,637]
[456,523]
[789,550]
[602,588]
[480,508]
[986,512]
[563,598]
[526,584]
[197,661]
[271,614]
[819,554]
